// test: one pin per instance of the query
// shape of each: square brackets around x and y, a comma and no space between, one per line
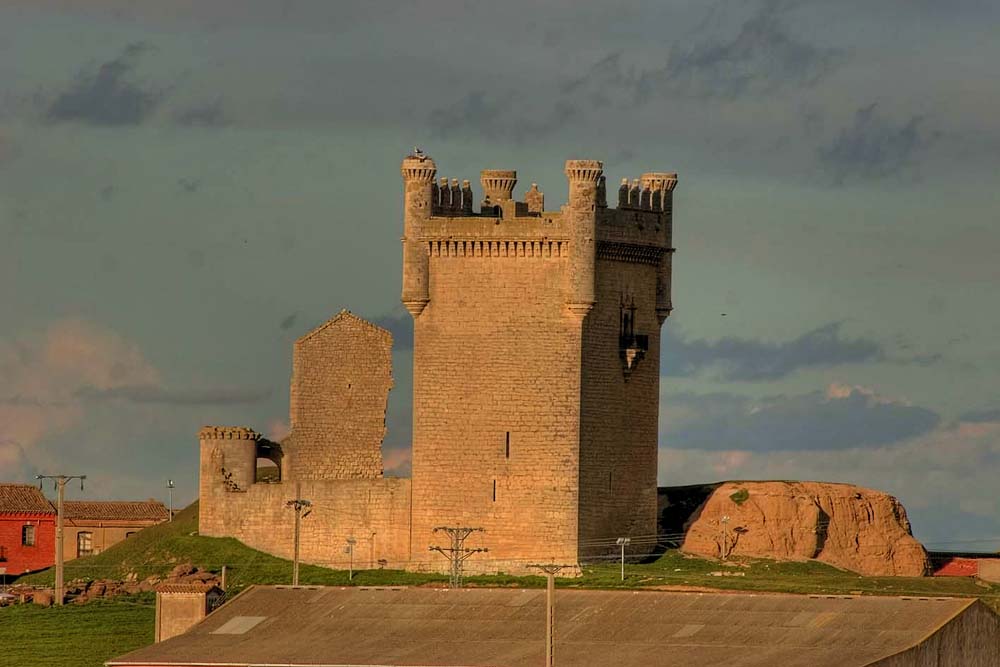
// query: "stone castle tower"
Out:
[535,378]
[536,360]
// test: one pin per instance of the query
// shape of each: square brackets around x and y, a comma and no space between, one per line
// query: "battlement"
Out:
[228,433]
[443,221]
[454,200]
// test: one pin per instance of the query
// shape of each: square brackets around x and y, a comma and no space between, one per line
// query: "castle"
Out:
[535,387]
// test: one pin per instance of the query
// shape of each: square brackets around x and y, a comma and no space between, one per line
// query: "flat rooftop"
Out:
[477,627]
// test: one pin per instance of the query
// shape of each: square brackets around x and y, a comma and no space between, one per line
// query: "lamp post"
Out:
[623,542]
[170,498]
[349,549]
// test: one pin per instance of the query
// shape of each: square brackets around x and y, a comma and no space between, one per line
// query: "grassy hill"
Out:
[156,550]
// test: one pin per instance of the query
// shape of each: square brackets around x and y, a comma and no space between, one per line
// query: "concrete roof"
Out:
[478,627]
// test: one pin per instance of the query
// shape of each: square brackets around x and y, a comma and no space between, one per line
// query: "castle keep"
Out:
[535,380]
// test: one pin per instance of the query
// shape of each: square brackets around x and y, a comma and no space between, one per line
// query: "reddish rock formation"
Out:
[846,526]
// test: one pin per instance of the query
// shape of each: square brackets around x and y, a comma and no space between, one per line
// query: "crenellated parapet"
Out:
[228,433]
[448,198]
[228,458]
[443,221]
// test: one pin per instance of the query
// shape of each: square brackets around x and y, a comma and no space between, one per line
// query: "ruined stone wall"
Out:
[618,432]
[496,361]
[375,512]
[341,377]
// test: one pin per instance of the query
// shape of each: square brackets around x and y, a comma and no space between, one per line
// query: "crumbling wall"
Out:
[341,377]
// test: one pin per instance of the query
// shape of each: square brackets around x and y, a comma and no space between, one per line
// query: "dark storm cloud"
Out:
[978,416]
[192,397]
[210,114]
[741,359]
[497,117]
[763,57]
[874,147]
[108,96]
[842,418]
[400,324]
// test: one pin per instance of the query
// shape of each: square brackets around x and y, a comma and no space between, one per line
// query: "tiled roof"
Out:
[18,498]
[116,510]
[193,587]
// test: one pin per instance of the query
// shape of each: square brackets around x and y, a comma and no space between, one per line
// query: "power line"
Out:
[298,504]
[60,484]
[457,553]
[550,570]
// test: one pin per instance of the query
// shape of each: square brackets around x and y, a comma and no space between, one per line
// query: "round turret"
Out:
[498,184]
[659,180]
[584,170]
[418,167]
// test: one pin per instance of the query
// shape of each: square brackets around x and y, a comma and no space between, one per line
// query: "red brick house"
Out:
[27,529]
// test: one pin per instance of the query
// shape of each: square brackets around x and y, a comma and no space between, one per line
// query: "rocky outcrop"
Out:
[847,526]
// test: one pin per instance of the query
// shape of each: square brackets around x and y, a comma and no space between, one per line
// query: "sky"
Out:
[187,187]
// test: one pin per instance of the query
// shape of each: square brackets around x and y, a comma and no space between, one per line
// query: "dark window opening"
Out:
[507,451]
[269,455]
[494,490]
[267,472]
[611,480]
[84,543]
[27,535]
[129,534]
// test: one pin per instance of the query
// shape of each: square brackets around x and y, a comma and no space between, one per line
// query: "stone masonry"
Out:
[536,386]
[343,367]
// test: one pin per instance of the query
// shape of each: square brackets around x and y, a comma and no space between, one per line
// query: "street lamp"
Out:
[170,498]
[623,542]
[349,549]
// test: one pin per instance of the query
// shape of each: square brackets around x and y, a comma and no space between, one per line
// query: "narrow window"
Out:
[28,535]
[611,480]
[494,490]
[507,451]
[84,543]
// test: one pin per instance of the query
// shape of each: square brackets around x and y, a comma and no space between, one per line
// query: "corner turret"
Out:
[418,172]
[581,213]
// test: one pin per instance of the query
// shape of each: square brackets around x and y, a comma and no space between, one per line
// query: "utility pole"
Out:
[298,504]
[60,485]
[623,542]
[457,553]
[550,570]
[170,498]
[349,549]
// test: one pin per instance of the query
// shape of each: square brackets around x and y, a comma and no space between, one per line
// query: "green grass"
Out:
[79,631]
[155,550]
[74,636]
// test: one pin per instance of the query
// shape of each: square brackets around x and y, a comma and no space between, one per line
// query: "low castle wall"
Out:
[375,512]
